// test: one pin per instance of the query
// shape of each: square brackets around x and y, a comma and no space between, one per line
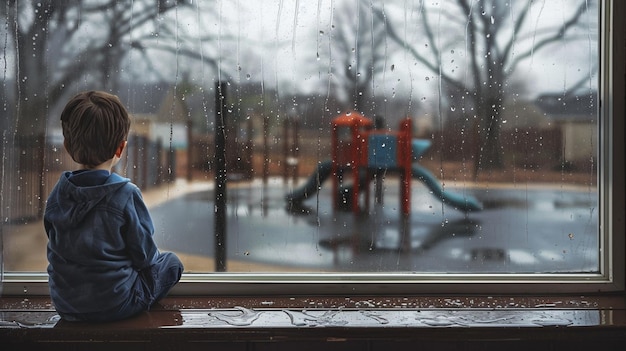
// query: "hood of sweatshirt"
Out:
[75,201]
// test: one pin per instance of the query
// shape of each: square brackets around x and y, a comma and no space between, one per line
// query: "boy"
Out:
[103,262]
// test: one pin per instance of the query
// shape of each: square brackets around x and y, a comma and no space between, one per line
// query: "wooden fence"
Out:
[32,166]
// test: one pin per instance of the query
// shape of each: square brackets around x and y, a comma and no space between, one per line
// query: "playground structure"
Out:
[365,153]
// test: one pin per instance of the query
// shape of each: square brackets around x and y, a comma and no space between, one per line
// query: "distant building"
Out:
[577,119]
[157,115]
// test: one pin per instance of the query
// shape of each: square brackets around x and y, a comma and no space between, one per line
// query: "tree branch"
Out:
[419,57]
[178,51]
[519,21]
[573,21]
[471,32]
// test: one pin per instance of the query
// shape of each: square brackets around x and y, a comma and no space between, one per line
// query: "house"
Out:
[576,116]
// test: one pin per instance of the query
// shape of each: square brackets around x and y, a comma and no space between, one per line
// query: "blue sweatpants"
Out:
[152,285]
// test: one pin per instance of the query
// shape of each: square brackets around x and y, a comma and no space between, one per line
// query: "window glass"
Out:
[405,140]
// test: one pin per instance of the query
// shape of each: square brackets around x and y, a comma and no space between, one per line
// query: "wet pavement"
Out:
[521,229]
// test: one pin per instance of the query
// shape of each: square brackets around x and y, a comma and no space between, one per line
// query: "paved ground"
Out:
[522,228]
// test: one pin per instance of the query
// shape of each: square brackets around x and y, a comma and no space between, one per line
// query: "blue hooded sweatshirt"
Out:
[99,238]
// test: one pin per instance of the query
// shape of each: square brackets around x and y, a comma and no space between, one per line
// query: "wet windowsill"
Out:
[573,320]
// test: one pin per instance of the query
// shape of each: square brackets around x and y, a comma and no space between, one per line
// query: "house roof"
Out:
[569,108]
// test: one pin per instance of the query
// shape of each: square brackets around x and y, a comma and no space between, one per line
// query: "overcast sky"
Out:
[287,44]
[288,41]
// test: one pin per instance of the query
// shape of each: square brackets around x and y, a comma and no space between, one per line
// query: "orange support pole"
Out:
[404,160]
[355,165]
[353,154]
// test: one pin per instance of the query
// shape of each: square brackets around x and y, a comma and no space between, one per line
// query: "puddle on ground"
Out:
[488,254]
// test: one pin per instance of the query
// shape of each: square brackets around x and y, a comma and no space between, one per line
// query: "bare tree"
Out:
[495,45]
[358,44]
[58,43]
[56,46]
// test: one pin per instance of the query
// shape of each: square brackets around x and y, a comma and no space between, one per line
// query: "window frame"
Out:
[612,178]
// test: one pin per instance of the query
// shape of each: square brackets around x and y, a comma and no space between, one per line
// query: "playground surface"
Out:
[521,229]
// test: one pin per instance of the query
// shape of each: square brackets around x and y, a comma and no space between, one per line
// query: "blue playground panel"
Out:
[382,151]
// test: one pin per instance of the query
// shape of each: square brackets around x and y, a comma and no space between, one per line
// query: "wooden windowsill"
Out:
[562,320]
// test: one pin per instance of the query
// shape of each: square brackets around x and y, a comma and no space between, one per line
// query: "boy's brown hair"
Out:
[94,124]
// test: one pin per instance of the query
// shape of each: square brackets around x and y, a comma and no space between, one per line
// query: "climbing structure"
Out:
[360,152]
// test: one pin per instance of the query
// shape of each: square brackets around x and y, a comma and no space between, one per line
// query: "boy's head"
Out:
[95,124]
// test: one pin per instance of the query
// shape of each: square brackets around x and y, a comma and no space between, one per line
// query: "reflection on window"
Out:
[360,136]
